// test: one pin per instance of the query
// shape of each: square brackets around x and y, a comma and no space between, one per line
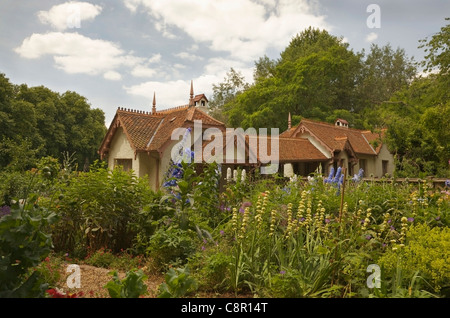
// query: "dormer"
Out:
[341,123]
[201,100]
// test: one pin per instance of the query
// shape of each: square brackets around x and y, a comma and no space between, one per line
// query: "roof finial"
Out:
[154,104]
[191,98]
[289,121]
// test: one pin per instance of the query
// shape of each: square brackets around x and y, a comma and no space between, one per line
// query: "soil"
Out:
[93,280]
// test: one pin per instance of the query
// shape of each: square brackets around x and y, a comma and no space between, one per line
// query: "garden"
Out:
[212,235]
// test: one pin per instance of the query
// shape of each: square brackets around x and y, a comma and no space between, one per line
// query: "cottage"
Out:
[142,142]
[346,147]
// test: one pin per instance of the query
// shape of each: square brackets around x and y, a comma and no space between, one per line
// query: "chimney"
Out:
[154,104]
[289,121]
[191,98]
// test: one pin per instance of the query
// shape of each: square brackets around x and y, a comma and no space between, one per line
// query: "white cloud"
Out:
[188,56]
[143,71]
[243,28]
[69,15]
[132,4]
[168,94]
[176,93]
[155,58]
[112,75]
[371,37]
[77,54]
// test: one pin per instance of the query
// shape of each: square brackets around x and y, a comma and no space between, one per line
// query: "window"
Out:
[384,166]
[126,164]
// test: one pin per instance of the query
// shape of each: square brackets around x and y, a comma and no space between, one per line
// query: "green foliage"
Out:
[24,242]
[101,258]
[38,122]
[50,269]
[171,245]
[427,251]
[132,286]
[295,239]
[97,209]
[226,92]
[212,268]
[438,49]
[178,283]
[319,77]
[172,228]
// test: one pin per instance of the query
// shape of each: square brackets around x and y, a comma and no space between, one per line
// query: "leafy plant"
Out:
[24,242]
[171,244]
[132,286]
[178,283]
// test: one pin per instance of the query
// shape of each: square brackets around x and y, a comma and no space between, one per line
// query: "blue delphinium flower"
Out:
[359,176]
[330,176]
[336,180]
[337,177]
[447,183]
[184,153]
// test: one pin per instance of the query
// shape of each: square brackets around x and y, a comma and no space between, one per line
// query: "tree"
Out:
[37,122]
[225,92]
[315,75]
[438,48]
[384,72]
[264,68]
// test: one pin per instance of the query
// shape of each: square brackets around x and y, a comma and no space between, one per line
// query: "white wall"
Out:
[121,149]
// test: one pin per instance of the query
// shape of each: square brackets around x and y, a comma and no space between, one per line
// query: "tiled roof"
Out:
[298,149]
[148,132]
[288,133]
[335,137]
[138,127]
[197,98]
[289,149]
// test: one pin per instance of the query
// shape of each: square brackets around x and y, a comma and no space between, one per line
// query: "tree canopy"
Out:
[38,122]
[318,76]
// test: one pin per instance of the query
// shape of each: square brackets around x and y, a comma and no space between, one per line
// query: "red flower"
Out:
[55,294]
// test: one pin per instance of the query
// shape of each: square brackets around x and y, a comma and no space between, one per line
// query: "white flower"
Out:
[229,174]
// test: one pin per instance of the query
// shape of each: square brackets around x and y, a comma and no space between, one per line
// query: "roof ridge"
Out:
[207,115]
[133,111]
[172,109]
[334,126]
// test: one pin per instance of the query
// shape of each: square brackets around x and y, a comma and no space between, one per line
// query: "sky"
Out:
[118,53]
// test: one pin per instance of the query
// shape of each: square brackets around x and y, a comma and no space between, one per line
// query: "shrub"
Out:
[97,209]
[427,250]
[216,271]
[171,245]
[120,261]
[24,243]
[101,258]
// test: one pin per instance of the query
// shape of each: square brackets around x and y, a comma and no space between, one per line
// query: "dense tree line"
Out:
[37,122]
[319,77]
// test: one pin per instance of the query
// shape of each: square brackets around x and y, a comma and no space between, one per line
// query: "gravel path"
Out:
[93,280]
